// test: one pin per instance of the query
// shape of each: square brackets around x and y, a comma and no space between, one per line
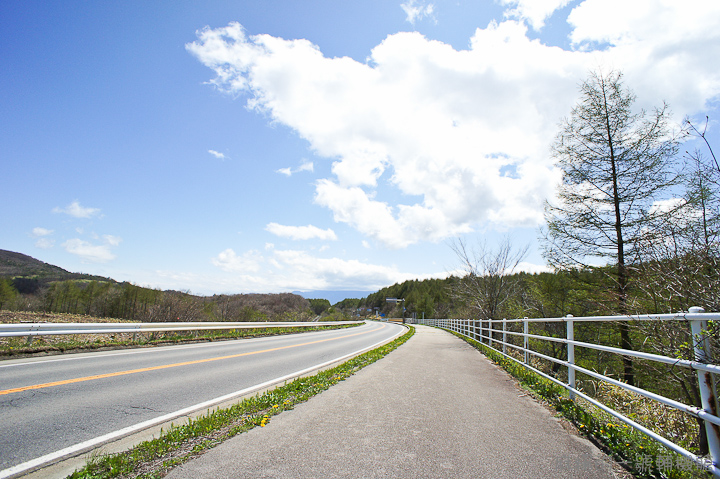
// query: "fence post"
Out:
[504,335]
[570,335]
[490,333]
[708,390]
[526,341]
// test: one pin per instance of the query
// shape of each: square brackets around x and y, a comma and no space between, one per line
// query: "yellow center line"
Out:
[174,365]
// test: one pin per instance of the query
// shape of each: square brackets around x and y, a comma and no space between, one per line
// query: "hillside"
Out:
[18,264]
[35,273]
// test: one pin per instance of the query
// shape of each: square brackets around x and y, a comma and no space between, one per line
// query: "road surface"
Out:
[52,403]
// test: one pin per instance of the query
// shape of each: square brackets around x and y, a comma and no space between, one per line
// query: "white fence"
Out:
[489,333]
[31,330]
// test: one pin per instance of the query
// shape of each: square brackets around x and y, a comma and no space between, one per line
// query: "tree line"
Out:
[107,299]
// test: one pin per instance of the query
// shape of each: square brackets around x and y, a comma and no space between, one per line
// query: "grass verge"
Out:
[640,455]
[155,458]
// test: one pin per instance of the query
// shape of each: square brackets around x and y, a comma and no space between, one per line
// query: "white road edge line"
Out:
[67,452]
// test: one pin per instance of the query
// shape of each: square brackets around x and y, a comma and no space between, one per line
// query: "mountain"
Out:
[14,265]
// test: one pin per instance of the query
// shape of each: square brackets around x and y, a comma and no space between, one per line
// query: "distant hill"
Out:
[17,265]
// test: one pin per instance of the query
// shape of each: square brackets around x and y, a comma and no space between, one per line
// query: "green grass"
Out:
[153,459]
[643,457]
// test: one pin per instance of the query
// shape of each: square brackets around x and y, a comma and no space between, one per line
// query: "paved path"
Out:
[433,408]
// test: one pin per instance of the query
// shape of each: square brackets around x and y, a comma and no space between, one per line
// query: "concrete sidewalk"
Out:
[433,408]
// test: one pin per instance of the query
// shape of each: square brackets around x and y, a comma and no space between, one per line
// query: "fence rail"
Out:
[494,334]
[50,329]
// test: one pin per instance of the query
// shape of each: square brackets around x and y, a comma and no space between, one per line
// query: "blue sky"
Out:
[280,145]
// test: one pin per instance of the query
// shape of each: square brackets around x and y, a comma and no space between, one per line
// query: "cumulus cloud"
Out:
[532,268]
[43,241]
[217,154]
[112,240]
[417,10]
[229,261]
[39,232]
[461,137]
[289,270]
[535,12]
[301,232]
[663,46]
[94,253]
[78,211]
[304,166]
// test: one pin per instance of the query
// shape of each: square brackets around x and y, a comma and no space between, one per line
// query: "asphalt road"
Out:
[51,403]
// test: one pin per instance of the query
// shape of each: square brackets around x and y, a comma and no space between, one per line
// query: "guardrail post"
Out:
[570,335]
[490,333]
[504,335]
[526,340]
[708,389]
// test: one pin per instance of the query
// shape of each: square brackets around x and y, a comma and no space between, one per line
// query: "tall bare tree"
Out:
[615,164]
[488,285]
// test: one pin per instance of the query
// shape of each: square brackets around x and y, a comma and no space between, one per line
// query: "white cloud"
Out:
[417,10]
[217,154]
[112,240]
[532,268]
[89,252]
[290,270]
[304,166]
[534,11]
[78,211]
[422,135]
[45,243]
[38,232]
[665,47]
[301,232]
[679,212]
[229,261]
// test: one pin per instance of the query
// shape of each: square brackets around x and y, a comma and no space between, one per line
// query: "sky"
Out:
[222,146]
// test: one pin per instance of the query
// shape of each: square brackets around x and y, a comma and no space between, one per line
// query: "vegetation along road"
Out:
[52,403]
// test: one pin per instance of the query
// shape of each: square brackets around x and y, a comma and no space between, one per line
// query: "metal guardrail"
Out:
[488,331]
[8,330]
